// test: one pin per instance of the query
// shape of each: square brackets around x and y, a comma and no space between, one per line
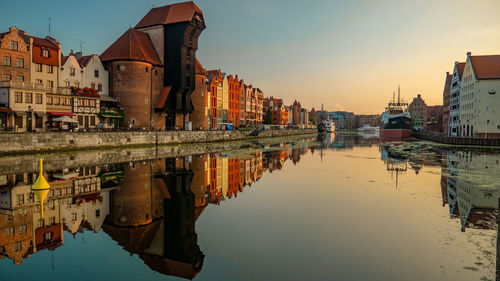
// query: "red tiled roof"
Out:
[198,68]
[486,67]
[132,45]
[84,61]
[64,59]
[41,42]
[461,66]
[179,12]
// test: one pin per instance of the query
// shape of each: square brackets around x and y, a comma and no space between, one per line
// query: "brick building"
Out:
[200,117]
[434,119]
[136,77]
[214,85]
[417,109]
[234,100]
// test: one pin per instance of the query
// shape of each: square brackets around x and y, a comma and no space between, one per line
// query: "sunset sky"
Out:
[349,55]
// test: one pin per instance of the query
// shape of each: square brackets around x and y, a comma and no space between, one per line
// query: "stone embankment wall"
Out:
[459,141]
[27,163]
[64,141]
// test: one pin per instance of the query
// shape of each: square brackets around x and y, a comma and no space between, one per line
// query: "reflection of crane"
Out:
[394,167]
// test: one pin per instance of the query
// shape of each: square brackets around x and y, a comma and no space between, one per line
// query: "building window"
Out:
[38,67]
[147,70]
[92,85]
[92,103]
[72,71]
[20,199]
[74,216]
[49,100]
[92,120]
[77,85]
[67,83]
[18,97]
[18,246]
[80,119]
[96,73]
[20,78]
[29,98]
[52,220]
[10,231]
[7,61]
[57,101]
[38,99]
[99,87]
[20,63]
[14,45]
[39,81]
[98,213]
[45,53]
[6,77]
[48,236]
[50,69]
[23,229]
[50,84]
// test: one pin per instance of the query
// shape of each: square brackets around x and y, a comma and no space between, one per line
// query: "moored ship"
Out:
[396,121]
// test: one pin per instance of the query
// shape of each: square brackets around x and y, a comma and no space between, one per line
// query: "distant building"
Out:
[454,120]
[366,120]
[295,110]
[417,110]
[434,119]
[446,102]
[313,116]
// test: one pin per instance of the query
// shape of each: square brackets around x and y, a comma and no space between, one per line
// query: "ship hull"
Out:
[398,127]
[395,133]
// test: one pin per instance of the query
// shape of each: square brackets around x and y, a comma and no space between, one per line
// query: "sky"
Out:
[347,55]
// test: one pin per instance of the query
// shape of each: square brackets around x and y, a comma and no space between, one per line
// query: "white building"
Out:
[454,121]
[480,97]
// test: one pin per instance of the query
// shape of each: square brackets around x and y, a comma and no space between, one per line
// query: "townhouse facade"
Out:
[454,129]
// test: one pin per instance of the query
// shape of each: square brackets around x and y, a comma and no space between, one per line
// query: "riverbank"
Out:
[458,141]
[18,164]
[22,143]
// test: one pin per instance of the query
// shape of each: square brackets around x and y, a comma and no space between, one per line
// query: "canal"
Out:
[337,207]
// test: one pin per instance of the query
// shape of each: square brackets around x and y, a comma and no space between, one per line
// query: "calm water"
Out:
[343,207]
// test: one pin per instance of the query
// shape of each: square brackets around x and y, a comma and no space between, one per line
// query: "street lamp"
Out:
[30,117]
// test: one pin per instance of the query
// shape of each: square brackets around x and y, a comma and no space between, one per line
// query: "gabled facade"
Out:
[45,62]
[479,97]
[454,120]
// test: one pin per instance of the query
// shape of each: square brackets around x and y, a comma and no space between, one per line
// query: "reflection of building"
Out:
[477,190]
[168,242]
[75,202]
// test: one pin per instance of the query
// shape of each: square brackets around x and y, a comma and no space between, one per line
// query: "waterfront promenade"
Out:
[68,141]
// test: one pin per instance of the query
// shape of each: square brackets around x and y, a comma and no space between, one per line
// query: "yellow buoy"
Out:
[41,187]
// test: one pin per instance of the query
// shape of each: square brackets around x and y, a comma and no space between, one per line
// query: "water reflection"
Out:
[150,208]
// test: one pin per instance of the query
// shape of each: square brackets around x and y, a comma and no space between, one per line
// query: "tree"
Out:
[269,117]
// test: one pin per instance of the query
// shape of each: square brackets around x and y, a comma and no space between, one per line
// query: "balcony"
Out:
[21,85]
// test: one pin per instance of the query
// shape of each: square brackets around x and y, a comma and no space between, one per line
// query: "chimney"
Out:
[78,55]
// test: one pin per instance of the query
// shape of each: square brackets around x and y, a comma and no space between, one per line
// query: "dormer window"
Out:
[14,45]
[45,53]
[72,71]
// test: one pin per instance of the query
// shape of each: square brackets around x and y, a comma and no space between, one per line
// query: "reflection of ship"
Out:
[396,120]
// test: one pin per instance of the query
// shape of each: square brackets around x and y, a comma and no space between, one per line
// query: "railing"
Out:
[22,85]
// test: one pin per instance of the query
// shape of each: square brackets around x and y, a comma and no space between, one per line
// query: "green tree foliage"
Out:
[269,117]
